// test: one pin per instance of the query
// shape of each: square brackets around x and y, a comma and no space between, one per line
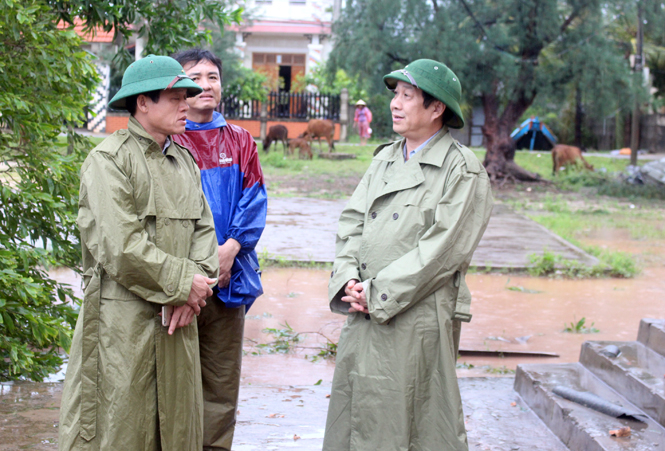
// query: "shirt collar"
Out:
[420,147]
[218,121]
[167,143]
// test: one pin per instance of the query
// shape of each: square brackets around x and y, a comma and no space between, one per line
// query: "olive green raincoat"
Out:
[146,229]
[408,232]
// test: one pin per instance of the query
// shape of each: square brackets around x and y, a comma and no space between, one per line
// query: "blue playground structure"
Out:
[533,135]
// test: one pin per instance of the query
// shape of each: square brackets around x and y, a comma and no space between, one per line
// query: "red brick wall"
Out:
[116,121]
[295,128]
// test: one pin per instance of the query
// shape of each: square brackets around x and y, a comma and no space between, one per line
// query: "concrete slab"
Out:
[637,373]
[304,229]
[578,427]
[292,417]
[652,334]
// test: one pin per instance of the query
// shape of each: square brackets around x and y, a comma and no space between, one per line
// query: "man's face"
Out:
[410,118]
[207,76]
[168,116]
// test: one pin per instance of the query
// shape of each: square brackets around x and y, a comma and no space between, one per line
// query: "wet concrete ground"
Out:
[530,319]
[292,417]
[304,229]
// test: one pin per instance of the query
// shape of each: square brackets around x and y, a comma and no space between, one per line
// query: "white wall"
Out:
[317,10]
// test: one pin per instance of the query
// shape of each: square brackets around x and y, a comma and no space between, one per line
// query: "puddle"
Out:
[500,317]
[29,416]
[299,298]
[529,318]
[614,306]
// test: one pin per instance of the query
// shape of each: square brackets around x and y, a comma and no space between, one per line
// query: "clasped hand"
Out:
[355,296]
[183,315]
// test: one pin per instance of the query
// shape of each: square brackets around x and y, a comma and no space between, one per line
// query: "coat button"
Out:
[373,215]
[185,224]
[363,266]
[167,221]
[395,216]
[384,297]
[170,287]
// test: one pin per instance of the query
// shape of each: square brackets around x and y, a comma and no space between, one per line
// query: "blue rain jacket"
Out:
[233,185]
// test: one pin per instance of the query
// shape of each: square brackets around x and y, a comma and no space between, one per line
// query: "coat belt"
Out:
[90,353]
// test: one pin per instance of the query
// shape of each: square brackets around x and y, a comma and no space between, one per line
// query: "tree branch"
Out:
[566,23]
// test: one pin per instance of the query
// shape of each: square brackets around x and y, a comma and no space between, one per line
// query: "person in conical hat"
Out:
[363,119]
[149,257]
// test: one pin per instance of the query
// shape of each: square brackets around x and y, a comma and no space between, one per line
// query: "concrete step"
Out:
[578,427]
[637,373]
[652,334]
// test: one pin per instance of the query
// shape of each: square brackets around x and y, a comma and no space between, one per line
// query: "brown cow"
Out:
[302,144]
[321,128]
[276,133]
[563,155]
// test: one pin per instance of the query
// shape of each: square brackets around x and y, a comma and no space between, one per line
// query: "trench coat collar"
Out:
[402,175]
[145,140]
[434,157]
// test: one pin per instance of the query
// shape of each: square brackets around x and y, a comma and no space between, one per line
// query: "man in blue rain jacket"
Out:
[233,185]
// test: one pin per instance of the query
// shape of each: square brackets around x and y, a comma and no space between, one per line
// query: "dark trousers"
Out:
[220,345]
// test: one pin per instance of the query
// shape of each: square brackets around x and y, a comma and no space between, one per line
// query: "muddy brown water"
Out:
[536,316]
[298,297]
[530,320]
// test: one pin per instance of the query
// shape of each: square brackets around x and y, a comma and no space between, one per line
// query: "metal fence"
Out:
[233,108]
[279,105]
[284,105]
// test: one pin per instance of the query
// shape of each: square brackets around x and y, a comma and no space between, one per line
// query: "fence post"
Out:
[343,114]
[264,120]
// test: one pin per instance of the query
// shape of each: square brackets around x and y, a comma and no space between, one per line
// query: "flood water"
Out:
[529,320]
[537,316]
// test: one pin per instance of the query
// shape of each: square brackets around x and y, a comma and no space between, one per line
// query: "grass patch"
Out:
[267,260]
[576,218]
[276,163]
[612,263]
[499,370]
[286,340]
[519,288]
[579,327]
[553,265]
[603,179]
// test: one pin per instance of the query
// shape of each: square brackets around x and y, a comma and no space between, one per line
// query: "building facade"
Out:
[286,39]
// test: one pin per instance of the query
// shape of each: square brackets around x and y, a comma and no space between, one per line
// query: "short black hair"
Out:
[196,55]
[447,115]
[130,102]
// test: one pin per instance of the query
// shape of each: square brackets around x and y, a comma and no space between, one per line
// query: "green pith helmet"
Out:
[437,80]
[153,73]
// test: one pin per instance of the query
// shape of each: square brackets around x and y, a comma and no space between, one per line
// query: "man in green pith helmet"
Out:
[149,251]
[404,244]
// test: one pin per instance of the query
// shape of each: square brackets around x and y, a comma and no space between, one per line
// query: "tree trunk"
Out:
[500,157]
[579,113]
